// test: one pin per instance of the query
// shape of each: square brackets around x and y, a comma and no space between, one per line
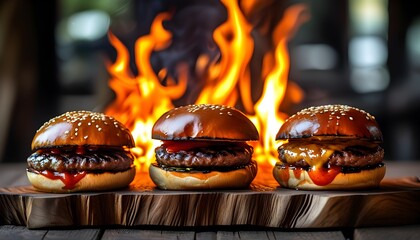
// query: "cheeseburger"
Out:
[81,151]
[203,147]
[330,147]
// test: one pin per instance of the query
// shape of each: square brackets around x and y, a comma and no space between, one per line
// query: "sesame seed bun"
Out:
[235,179]
[82,128]
[364,179]
[91,182]
[331,120]
[204,122]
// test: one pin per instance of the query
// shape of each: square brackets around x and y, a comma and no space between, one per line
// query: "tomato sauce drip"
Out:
[69,179]
[323,176]
[284,175]
[80,150]
[297,172]
[55,151]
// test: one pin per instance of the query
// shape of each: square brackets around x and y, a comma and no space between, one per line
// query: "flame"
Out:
[268,118]
[232,37]
[142,99]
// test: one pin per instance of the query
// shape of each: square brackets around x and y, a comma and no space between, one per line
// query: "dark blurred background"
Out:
[365,53]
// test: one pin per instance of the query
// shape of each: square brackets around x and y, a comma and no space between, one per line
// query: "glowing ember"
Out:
[142,99]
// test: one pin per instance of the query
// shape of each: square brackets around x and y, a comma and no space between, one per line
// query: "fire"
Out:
[268,118]
[232,70]
[142,99]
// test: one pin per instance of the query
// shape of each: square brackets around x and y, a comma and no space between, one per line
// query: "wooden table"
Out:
[13,175]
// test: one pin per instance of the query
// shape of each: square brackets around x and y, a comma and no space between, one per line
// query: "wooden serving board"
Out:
[264,204]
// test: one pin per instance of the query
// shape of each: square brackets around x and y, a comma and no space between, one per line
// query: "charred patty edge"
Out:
[217,156]
[94,161]
[33,170]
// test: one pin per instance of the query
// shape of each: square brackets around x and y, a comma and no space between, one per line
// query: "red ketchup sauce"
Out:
[176,146]
[69,179]
[284,176]
[320,176]
[297,172]
[323,176]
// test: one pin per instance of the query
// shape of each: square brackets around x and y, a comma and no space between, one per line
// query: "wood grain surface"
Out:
[264,204]
[20,232]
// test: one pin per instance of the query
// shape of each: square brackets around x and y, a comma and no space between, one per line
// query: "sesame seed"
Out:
[333,110]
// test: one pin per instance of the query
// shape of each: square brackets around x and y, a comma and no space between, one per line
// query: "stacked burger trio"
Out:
[206,146]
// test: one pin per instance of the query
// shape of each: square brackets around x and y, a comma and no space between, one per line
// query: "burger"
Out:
[330,147]
[81,151]
[203,147]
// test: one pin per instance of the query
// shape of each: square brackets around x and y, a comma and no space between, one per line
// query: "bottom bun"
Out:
[343,181]
[90,182]
[171,180]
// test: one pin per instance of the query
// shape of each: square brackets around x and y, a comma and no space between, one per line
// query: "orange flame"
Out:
[231,37]
[268,118]
[142,99]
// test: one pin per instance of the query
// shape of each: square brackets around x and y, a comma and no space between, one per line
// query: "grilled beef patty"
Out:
[214,156]
[69,159]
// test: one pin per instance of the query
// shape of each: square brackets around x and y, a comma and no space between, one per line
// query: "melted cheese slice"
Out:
[316,153]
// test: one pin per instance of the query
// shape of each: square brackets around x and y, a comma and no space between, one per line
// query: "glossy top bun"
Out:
[206,122]
[82,128]
[331,120]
